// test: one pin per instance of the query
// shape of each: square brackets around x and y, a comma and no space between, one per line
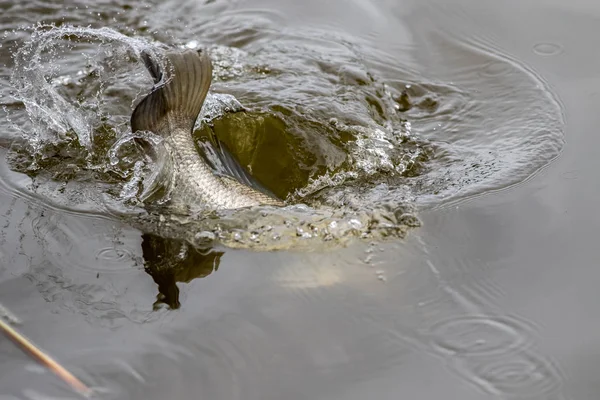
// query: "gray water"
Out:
[464,126]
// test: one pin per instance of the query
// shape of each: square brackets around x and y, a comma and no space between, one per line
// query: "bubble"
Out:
[277,228]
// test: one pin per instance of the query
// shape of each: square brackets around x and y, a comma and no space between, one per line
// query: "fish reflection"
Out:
[169,261]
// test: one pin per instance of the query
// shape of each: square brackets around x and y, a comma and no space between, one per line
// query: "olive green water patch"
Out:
[281,155]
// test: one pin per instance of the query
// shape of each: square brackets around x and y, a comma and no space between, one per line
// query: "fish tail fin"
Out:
[180,96]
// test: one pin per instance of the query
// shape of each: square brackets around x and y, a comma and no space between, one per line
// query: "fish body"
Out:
[170,111]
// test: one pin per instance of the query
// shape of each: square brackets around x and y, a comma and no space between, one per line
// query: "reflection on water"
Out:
[170,261]
[360,108]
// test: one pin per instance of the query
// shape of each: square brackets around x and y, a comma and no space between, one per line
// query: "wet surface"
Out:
[490,112]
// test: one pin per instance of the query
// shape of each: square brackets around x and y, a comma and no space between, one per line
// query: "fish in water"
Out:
[170,111]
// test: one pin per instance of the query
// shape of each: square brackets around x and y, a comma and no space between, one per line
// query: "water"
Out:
[437,233]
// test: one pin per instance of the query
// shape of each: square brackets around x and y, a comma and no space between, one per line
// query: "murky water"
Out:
[433,157]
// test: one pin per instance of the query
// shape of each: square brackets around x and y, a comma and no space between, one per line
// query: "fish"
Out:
[170,111]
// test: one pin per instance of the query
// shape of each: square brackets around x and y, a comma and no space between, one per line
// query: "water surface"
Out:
[476,118]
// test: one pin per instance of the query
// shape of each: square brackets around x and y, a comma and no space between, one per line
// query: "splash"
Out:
[78,87]
[298,227]
[312,116]
[60,99]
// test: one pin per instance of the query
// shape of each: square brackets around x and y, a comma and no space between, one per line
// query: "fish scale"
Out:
[171,111]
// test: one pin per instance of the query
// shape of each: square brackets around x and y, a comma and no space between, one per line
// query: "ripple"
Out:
[64,267]
[61,239]
[239,28]
[496,68]
[104,302]
[547,49]
[115,256]
[478,336]
[309,277]
[523,375]
[514,126]
[342,134]
[8,316]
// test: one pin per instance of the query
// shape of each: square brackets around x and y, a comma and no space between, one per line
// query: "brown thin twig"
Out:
[45,359]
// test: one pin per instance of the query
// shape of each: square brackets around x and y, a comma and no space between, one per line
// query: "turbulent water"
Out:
[316,122]
[366,117]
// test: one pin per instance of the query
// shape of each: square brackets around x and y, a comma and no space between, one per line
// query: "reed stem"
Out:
[44,359]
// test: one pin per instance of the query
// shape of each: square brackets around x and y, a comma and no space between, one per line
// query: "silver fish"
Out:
[170,111]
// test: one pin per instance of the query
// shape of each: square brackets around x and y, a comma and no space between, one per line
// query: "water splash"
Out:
[311,105]
[373,152]
[78,87]
[297,227]
[61,95]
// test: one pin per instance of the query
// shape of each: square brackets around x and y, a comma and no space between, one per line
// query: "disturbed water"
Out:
[413,145]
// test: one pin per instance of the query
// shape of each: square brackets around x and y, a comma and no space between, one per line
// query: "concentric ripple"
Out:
[478,336]
[522,376]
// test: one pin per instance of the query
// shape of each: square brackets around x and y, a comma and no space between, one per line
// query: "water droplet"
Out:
[193,44]
[547,49]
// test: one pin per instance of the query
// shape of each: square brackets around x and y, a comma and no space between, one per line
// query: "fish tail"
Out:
[180,97]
